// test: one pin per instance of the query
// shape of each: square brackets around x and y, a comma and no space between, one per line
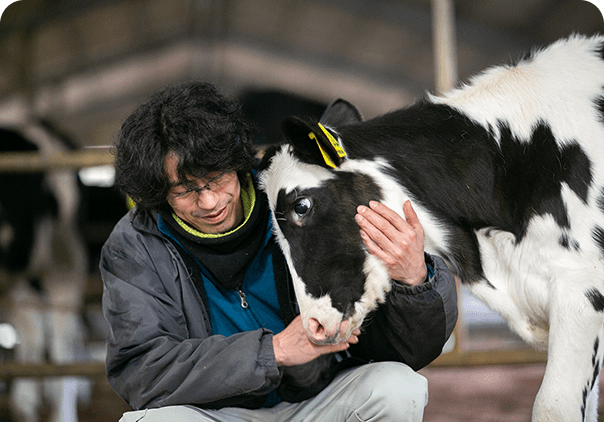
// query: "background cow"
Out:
[506,175]
[44,267]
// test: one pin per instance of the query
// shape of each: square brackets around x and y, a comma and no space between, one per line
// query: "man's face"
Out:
[215,209]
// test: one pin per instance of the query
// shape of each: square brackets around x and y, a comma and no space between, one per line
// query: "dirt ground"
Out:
[485,394]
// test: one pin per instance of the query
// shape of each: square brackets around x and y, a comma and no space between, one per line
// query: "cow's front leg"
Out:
[591,408]
[569,391]
[501,301]
[512,288]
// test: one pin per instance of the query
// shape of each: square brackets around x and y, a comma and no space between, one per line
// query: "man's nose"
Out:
[207,199]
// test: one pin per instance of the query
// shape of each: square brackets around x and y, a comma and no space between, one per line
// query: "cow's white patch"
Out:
[540,289]
[377,285]
[558,82]
[530,275]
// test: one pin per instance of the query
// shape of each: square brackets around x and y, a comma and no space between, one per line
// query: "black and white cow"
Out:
[43,270]
[506,175]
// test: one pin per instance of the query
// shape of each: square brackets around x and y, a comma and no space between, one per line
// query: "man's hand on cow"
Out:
[293,347]
[398,243]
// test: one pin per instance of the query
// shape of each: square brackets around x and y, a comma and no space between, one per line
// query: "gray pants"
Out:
[386,391]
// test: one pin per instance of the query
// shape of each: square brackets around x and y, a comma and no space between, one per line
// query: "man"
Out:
[199,301]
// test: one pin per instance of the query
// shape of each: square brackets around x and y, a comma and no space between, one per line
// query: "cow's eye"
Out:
[302,206]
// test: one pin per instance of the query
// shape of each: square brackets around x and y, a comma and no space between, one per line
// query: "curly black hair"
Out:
[205,129]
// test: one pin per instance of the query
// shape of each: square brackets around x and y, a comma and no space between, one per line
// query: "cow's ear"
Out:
[313,143]
[340,113]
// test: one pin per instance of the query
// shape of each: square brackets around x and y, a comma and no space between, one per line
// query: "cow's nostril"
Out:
[315,327]
[316,331]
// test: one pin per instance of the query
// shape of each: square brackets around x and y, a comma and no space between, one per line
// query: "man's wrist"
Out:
[429,274]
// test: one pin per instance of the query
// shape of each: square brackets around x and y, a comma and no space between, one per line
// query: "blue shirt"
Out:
[227,313]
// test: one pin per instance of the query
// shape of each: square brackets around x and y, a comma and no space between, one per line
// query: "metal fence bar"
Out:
[10,370]
[22,162]
[459,358]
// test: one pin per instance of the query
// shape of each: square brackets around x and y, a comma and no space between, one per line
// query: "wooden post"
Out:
[444,44]
[445,72]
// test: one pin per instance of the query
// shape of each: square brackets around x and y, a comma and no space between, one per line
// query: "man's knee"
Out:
[394,391]
[169,413]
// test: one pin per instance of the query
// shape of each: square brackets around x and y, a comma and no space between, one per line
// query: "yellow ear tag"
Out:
[326,158]
[335,144]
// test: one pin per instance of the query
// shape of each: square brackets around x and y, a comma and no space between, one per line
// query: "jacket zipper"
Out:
[244,303]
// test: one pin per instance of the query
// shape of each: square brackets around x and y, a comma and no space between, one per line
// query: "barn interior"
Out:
[83,66]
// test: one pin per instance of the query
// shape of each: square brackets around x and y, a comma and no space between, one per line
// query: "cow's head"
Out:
[314,189]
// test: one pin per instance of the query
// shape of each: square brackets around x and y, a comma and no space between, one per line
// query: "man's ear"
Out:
[340,113]
[313,143]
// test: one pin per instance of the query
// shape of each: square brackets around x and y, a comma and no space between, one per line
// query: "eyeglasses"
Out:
[214,185]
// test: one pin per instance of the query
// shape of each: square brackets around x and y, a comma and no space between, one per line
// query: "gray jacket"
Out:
[161,351]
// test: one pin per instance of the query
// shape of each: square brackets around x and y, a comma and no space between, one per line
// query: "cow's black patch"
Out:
[599,102]
[600,51]
[600,200]
[569,243]
[330,235]
[595,359]
[575,170]
[530,174]
[564,241]
[596,299]
[596,367]
[598,236]
[584,402]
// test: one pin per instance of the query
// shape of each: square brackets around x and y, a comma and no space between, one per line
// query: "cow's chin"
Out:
[335,339]
[342,335]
